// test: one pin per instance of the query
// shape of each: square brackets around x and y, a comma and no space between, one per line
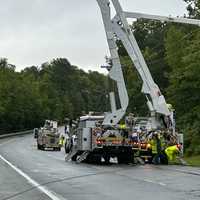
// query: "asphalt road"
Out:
[26,173]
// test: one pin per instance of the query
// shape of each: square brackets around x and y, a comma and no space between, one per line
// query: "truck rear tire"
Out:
[121,159]
[125,157]
[107,159]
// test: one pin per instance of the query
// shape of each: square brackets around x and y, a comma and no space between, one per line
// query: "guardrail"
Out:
[16,134]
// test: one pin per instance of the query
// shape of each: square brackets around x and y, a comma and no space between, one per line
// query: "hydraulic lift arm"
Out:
[118,28]
[114,67]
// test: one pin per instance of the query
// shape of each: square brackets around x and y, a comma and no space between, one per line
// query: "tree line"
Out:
[54,90]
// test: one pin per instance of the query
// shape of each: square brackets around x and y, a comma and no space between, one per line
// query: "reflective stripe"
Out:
[122,126]
[171,152]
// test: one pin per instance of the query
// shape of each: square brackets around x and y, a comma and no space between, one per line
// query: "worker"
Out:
[74,140]
[163,156]
[124,132]
[172,152]
[61,141]
[134,136]
[156,148]
[122,125]
[163,141]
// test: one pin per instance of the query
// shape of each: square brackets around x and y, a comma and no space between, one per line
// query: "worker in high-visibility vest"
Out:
[122,126]
[61,141]
[124,132]
[172,152]
[156,148]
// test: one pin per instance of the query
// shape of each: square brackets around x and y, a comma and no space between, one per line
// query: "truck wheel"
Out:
[96,159]
[120,159]
[74,157]
[93,159]
[89,158]
[107,159]
[125,158]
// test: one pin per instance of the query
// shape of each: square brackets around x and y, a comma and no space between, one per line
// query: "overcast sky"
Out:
[35,31]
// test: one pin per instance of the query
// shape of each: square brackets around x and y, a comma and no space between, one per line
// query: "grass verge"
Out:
[193,160]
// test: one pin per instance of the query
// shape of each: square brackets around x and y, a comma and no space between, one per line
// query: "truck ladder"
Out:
[71,154]
[82,157]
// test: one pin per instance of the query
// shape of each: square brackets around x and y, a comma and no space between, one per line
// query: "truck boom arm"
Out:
[181,20]
[115,70]
[118,28]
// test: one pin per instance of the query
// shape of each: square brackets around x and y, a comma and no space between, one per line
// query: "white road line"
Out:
[43,189]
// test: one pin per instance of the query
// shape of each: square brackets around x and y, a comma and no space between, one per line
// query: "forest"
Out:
[57,89]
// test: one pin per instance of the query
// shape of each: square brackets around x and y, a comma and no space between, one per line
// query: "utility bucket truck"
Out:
[92,141]
[98,137]
[48,136]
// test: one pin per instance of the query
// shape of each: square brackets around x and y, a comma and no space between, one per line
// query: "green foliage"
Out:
[184,88]
[54,91]
[193,160]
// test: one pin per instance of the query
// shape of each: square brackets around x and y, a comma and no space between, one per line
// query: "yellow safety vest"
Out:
[171,152]
[61,141]
[153,146]
[122,126]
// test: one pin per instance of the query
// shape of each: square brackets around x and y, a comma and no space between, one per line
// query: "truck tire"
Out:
[121,159]
[74,157]
[93,159]
[107,158]
[97,159]
[125,158]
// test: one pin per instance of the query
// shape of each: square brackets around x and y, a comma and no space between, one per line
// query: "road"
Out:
[26,173]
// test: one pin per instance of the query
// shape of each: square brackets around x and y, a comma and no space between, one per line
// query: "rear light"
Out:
[143,145]
[149,146]
[100,141]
